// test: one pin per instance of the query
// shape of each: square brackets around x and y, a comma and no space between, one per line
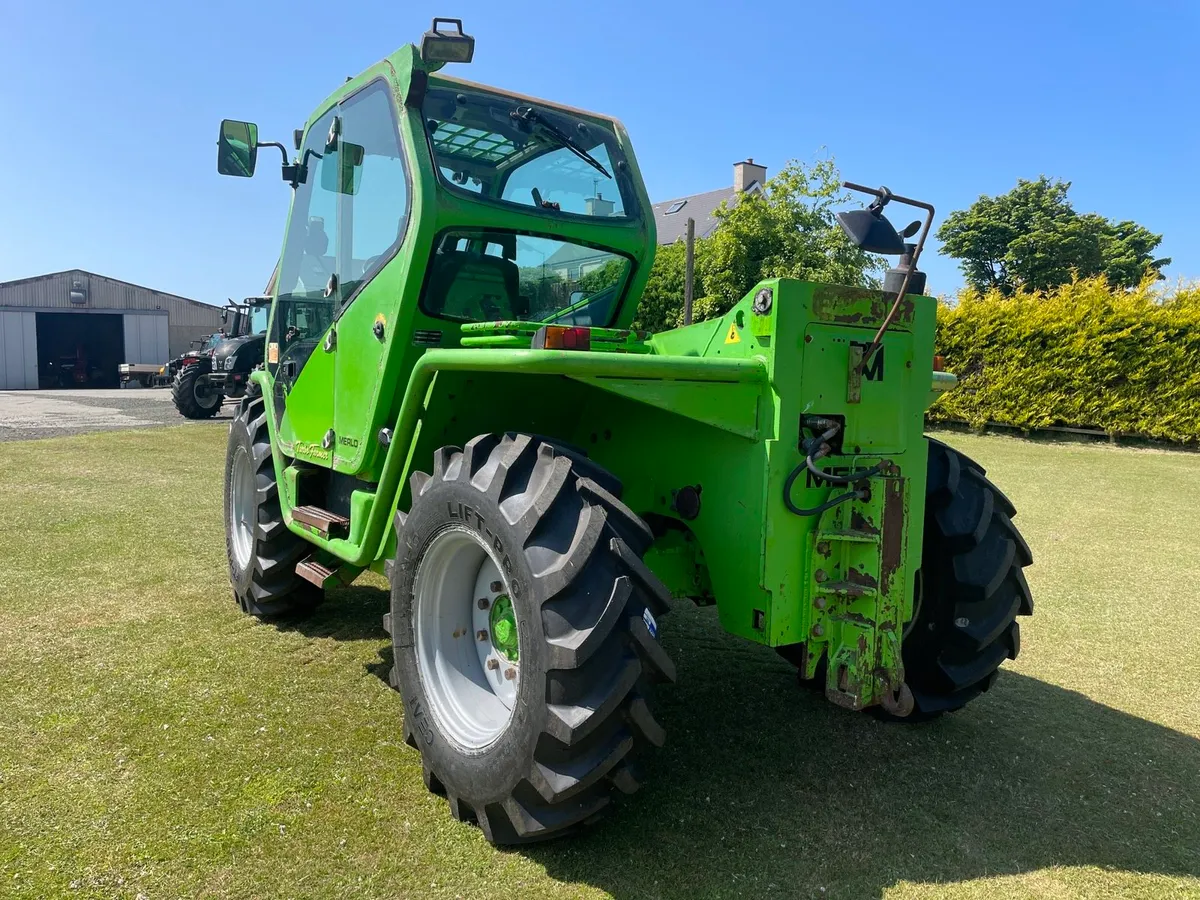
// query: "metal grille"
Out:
[452,139]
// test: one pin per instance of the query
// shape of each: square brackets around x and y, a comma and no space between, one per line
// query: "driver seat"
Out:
[467,284]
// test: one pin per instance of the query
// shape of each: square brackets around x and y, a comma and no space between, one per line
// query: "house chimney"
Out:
[747,172]
[598,206]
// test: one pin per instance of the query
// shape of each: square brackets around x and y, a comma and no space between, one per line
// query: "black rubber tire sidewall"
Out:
[183,393]
[489,775]
[241,577]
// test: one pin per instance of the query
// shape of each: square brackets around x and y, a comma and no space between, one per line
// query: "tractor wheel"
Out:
[263,553]
[524,626]
[970,589]
[193,398]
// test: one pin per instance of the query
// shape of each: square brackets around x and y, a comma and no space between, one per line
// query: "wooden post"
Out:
[690,266]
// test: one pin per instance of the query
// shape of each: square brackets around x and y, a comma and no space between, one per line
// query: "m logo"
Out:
[874,372]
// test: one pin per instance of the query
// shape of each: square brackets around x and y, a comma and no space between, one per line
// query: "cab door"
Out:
[373,225]
[305,302]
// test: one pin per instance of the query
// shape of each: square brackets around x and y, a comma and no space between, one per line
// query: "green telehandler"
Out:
[452,397]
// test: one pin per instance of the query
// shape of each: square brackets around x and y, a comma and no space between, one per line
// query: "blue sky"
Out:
[111,110]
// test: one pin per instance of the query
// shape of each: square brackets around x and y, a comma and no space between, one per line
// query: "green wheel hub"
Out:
[502,622]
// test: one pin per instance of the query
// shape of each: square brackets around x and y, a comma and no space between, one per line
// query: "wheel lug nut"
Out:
[484,603]
[510,673]
[495,587]
[481,634]
[493,664]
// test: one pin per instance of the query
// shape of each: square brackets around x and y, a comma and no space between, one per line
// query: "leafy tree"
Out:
[1033,239]
[786,231]
[545,290]
[602,277]
[661,305]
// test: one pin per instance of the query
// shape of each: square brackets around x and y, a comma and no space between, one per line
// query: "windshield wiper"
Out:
[531,116]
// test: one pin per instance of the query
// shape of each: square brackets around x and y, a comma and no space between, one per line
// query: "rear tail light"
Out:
[939,364]
[562,337]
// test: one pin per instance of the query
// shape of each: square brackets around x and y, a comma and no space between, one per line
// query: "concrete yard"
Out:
[28,415]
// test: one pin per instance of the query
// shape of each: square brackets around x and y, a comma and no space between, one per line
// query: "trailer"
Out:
[144,374]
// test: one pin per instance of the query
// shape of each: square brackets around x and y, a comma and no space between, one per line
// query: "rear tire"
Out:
[568,557]
[970,591]
[190,398]
[262,552]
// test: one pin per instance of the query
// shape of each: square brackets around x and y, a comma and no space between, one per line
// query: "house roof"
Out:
[672,227]
[571,253]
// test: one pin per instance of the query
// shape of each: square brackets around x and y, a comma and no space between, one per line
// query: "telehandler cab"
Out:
[452,397]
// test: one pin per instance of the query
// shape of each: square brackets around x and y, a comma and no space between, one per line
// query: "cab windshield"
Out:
[526,154]
[491,276]
[258,319]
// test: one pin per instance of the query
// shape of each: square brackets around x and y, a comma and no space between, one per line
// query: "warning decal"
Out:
[733,337]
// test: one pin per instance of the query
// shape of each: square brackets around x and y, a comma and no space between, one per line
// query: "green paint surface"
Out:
[714,409]
[503,624]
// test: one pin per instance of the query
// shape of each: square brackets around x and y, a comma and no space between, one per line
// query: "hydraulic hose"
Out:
[822,449]
[810,463]
[816,510]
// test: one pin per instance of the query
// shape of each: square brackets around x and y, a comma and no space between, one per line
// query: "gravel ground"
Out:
[28,415]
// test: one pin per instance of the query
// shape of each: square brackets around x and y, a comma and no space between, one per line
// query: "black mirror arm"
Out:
[884,196]
[282,149]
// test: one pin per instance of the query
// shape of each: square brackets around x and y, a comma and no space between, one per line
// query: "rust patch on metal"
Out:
[857,306]
[860,523]
[864,579]
[856,618]
[893,532]
[848,589]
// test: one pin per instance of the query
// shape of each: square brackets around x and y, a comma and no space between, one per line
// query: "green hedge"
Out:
[1084,355]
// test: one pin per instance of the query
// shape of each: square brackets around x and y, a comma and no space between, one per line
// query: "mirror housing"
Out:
[237,148]
[869,230]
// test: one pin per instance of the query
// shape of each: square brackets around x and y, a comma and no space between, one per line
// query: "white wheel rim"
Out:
[241,506]
[470,681]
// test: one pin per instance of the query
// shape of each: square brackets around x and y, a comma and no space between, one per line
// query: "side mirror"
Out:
[237,148]
[870,230]
[340,171]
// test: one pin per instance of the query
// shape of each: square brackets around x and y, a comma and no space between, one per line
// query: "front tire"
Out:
[534,746]
[262,552]
[190,395]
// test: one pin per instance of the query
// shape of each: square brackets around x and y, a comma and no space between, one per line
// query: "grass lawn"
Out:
[156,743]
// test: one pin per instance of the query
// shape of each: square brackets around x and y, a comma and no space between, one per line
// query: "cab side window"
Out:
[304,307]
[374,184]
